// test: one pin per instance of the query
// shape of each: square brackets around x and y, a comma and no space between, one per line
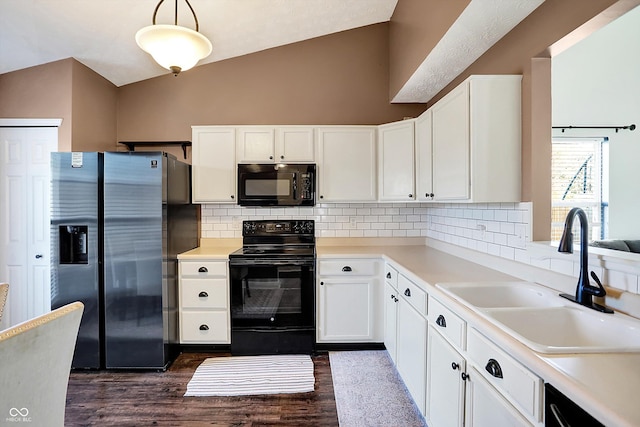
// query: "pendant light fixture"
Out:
[174,47]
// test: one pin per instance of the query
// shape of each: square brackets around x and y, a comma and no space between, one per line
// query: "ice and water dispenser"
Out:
[74,244]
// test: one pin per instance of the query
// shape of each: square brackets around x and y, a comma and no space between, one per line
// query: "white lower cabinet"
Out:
[446,373]
[411,351]
[348,295]
[204,302]
[486,407]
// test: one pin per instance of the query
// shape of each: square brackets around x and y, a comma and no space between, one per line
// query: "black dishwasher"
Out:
[560,411]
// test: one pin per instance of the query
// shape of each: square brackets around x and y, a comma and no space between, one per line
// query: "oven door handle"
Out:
[275,262]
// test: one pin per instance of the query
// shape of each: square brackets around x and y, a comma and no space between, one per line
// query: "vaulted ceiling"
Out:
[100,33]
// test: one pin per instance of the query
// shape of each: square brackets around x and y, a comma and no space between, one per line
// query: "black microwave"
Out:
[276,184]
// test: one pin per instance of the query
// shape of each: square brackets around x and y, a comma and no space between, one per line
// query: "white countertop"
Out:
[606,385]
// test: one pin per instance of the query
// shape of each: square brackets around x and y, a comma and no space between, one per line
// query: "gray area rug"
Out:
[369,391]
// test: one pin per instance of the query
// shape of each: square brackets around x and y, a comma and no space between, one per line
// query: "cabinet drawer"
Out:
[413,294]
[447,323]
[518,384]
[204,327]
[391,275]
[348,267]
[203,268]
[204,293]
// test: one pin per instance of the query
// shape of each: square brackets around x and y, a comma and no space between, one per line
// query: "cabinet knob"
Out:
[455,366]
[204,328]
[389,275]
[203,294]
[39,256]
[233,197]
[410,196]
[321,283]
[282,157]
[431,195]
[321,196]
[441,321]
[346,268]
[270,157]
[464,376]
[395,299]
[407,292]
[203,270]
[493,367]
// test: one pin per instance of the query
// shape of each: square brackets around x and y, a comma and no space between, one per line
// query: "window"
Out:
[579,178]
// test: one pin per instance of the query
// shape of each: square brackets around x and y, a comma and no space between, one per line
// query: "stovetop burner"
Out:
[277,238]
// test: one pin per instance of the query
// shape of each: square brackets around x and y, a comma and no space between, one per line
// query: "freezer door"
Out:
[134,244]
[75,246]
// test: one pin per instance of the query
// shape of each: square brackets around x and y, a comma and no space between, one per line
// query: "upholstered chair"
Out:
[4,292]
[35,362]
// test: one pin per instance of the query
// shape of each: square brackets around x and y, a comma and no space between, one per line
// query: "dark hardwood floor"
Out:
[106,398]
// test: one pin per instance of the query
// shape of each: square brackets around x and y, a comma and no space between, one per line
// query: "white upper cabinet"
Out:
[255,144]
[291,144]
[346,157]
[213,164]
[424,181]
[476,137]
[295,144]
[396,177]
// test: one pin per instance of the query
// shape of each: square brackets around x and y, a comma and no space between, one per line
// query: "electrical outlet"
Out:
[353,222]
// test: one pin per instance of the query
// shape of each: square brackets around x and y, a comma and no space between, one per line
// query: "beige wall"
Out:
[415,28]
[341,78]
[94,104]
[66,89]
[40,92]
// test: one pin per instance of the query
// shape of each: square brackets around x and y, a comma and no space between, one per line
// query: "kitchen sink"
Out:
[502,294]
[569,329]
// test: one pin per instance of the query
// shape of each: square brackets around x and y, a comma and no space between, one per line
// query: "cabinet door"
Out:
[214,165]
[390,320]
[485,406]
[295,144]
[451,175]
[445,386]
[412,351]
[347,164]
[423,143]
[256,144]
[396,161]
[346,310]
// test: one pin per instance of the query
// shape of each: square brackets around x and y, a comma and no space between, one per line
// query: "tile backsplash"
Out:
[499,229]
[495,228]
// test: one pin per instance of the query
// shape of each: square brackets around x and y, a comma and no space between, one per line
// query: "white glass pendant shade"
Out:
[174,47]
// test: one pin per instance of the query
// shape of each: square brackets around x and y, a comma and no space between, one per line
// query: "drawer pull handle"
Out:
[203,294]
[203,270]
[346,268]
[407,292]
[204,327]
[441,321]
[493,367]
[455,366]
[389,275]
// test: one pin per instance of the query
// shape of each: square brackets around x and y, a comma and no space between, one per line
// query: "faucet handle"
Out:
[596,291]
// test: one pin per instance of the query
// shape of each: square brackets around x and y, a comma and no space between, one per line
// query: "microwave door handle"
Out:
[294,180]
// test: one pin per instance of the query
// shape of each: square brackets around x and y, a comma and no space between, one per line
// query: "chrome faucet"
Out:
[584,291]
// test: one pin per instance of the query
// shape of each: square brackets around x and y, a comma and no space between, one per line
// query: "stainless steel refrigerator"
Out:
[118,221]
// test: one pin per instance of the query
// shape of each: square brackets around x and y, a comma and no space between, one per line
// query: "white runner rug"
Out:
[245,375]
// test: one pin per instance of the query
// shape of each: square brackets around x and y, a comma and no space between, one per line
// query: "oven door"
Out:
[272,294]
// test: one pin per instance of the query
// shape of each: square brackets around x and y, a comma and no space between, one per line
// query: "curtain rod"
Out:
[617,128]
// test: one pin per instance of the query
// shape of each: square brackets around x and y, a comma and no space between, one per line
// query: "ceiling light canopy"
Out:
[174,47]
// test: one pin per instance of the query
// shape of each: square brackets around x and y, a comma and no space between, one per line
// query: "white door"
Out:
[24,219]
